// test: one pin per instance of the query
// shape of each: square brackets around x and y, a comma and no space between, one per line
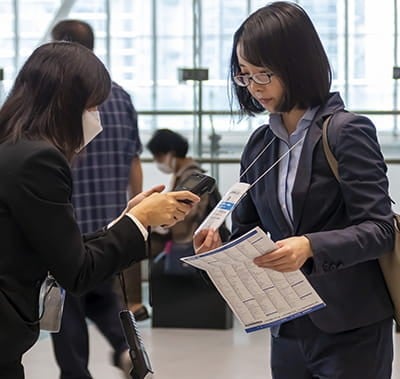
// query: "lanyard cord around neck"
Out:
[256,158]
[274,164]
[279,159]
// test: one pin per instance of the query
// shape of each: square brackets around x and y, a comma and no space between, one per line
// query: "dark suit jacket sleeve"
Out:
[364,187]
[42,208]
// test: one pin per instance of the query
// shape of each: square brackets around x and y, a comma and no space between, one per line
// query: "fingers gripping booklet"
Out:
[259,297]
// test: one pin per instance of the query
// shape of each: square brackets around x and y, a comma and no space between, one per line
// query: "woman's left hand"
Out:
[290,255]
[206,240]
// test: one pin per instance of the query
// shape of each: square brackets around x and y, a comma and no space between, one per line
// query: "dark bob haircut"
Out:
[166,141]
[282,38]
[58,82]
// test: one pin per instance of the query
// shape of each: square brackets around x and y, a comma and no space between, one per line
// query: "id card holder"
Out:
[225,206]
[51,304]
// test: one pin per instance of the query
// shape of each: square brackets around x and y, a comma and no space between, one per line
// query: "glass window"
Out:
[144,43]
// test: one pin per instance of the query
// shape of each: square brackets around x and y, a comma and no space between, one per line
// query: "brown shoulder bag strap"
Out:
[333,164]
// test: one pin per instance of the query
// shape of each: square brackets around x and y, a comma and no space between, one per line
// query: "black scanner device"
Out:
[197,183]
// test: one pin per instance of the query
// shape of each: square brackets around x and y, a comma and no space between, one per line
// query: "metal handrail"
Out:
[230,113]
[237,160]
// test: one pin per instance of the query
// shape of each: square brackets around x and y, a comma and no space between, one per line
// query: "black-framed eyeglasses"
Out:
[262,78]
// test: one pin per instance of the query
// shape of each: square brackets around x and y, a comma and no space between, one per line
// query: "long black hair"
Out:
[282,38]
[53,88]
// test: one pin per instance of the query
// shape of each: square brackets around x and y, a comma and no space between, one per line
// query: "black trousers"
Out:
[302,351]
[71,344]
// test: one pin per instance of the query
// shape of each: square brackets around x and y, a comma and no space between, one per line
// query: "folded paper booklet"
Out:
[259,297]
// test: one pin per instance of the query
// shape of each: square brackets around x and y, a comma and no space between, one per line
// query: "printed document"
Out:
[259,297]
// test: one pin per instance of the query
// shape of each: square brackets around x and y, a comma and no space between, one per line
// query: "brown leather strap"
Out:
[333,164]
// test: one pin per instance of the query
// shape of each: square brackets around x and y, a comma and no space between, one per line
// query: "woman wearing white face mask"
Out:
[166,163]
[49,115]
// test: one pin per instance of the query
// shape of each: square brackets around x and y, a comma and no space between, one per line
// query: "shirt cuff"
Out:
[139,225]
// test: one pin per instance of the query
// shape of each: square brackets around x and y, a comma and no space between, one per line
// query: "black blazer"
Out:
[349,224]
[39,234]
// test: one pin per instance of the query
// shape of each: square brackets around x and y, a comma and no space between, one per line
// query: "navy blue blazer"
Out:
[349,224]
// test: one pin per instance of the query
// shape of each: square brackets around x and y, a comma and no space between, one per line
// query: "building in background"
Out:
[144,43]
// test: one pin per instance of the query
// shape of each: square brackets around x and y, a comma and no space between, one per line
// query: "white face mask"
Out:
[168,165]
[163,167]
[91,126]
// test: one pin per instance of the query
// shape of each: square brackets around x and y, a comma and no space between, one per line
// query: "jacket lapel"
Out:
[303,176]
[304,170]
[272,186]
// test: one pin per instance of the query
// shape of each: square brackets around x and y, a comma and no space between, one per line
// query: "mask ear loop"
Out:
[173,162]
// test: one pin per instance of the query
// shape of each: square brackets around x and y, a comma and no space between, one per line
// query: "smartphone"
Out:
[197,183]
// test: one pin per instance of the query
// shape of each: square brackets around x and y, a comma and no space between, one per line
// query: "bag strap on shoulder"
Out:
[333,164]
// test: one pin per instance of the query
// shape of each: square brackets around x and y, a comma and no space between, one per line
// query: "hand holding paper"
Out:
[290,255]
[259,297]
[206,240]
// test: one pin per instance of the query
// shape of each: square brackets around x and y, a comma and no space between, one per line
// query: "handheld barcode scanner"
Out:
[140,360]
[141,367]
[197,183]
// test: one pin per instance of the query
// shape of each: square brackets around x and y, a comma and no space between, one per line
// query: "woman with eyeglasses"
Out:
[333,231]
[49,115]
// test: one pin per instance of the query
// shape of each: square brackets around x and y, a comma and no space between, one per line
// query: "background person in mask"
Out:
[169,150]
[43,122]
[104,174]
[191,302]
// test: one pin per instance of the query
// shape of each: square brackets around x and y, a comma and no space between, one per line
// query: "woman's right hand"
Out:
[164,208]
[142,195]
[206,240]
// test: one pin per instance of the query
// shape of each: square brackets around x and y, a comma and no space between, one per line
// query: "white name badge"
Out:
[226,205]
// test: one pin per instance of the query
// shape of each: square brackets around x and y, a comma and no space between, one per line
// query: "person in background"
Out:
[169,150]
[49,115]
[333,231]
[104,173]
